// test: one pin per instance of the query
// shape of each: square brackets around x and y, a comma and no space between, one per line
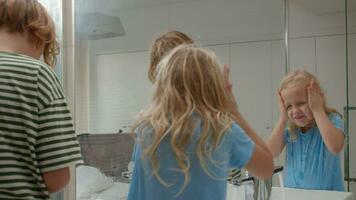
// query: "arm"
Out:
[332,136]
[261,162]
[56,180]
[276,141]
[250,132]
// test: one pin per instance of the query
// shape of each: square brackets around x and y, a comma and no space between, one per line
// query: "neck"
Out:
[18,43]
[307,128]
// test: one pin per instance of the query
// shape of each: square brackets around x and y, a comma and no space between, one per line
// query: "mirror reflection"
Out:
[350,162]
[112,60]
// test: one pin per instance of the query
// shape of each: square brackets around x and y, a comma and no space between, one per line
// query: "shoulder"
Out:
[336,120]
[21,62]
[48,82]
[334,115]
[46,72]
[236,129]
[236,133]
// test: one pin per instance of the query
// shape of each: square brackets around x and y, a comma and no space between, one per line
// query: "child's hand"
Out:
[315,97]
[282,107]
[228,86]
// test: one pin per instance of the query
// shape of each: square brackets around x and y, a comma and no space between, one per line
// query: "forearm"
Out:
[249,130]
[237,117]
[56,180]
[332,136]
[276,141]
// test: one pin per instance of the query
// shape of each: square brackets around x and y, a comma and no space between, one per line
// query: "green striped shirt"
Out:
[36,129]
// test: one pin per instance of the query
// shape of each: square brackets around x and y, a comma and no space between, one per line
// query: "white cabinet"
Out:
[222,52]
[121,90]
[330,69]
[302,54]
[252,83]
[278,72]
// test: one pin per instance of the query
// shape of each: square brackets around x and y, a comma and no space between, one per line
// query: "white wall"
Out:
[81,86]
[122,89]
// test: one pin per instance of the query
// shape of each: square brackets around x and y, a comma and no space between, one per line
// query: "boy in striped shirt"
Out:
[37,138]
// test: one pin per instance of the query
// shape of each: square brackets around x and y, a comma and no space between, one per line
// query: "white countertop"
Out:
[238,193]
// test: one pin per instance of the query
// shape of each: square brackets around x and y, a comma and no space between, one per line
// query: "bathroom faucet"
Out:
[256,189]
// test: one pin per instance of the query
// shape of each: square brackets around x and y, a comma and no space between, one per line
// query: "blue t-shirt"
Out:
[235,150]
[309,163]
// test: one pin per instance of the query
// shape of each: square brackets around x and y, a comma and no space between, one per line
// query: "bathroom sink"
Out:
[238,193]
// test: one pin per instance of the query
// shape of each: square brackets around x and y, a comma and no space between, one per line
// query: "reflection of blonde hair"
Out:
[30,17]
[189,83]
[162,46]
[301,78]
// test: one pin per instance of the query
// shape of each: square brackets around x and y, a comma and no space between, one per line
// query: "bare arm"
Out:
[249,131]
[276,141]
[261,162]
[56,180]
[332,136]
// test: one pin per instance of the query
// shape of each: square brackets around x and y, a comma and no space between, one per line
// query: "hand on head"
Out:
[282,107]
[315,96]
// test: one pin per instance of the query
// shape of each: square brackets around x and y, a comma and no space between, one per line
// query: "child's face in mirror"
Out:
[296,103]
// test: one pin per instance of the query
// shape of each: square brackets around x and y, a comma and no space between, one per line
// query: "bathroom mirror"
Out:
[321,40]
[350,109]
[112,39]
[112,42]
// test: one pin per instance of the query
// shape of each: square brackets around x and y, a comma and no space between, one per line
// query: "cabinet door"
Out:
[302,54]
[121,90]
[278,69]
[222,52]
[330,69]
[252,85]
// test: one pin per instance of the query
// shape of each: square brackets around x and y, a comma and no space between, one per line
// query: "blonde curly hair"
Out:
[162,46]
[189,83]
